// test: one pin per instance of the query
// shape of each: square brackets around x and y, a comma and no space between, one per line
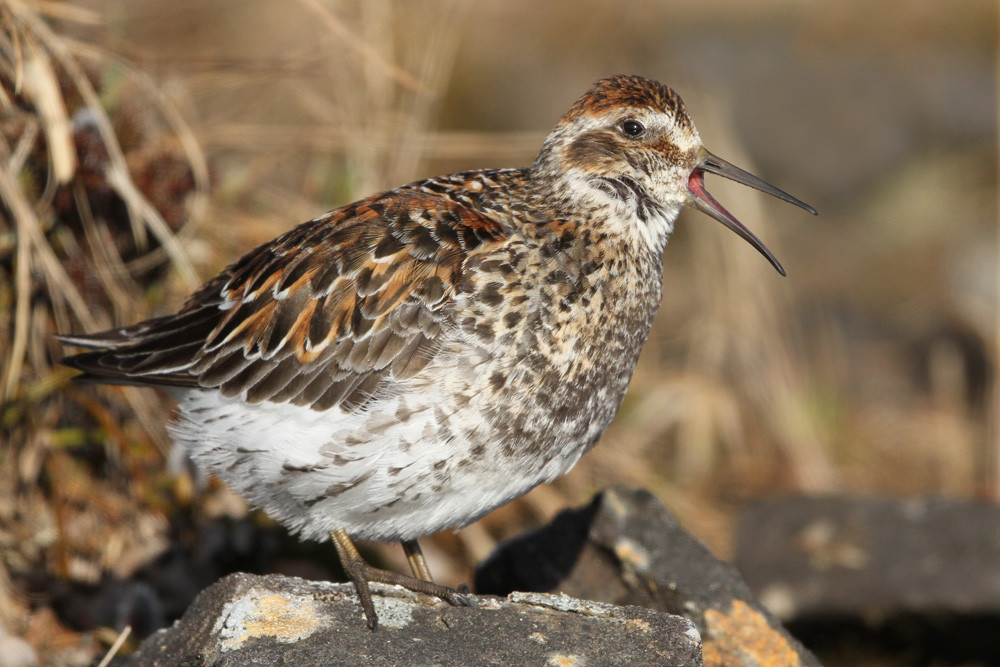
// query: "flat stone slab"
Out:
[872,558]
[626,548]
[246,619]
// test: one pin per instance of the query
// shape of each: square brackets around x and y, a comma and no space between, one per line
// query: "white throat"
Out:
[630,211]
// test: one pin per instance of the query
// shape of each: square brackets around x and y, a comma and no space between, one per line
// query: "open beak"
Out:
[706,203]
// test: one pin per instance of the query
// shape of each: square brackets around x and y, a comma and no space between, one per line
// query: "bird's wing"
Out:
[318,317]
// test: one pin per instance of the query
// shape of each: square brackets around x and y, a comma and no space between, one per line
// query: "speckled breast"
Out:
[563,318]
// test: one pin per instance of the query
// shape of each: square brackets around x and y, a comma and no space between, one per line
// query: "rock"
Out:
[921,573]
[625,548]
[867,557]
[879,574]
[246,619]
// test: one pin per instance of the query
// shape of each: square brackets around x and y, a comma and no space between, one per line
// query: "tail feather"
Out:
[147,353]
[102,366]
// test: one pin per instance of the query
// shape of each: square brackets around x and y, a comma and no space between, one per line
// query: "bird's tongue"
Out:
[707,204]
[696,184]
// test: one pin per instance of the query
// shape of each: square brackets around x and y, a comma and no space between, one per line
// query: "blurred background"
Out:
[145,145]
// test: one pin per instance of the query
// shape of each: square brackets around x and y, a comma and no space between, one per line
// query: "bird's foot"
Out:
[361,574]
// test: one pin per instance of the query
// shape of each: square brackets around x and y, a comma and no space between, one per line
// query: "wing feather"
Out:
[321,316]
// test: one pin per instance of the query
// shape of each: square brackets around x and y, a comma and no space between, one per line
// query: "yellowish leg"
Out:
[360,573]
[416,559]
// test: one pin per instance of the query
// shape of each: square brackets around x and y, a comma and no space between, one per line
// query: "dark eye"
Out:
[632,128]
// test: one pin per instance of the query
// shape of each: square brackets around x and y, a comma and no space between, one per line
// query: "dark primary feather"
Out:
[321,315]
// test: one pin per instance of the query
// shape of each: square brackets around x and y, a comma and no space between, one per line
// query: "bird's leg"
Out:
[360,573]
[416,559]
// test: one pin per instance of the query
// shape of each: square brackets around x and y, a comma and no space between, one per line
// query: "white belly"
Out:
[412,464]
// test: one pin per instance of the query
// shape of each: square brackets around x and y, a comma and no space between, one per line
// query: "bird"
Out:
[410,362]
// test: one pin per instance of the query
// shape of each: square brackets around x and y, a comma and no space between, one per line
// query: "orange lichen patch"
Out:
[745,637]
[638,625]
[632,555]
[285,620]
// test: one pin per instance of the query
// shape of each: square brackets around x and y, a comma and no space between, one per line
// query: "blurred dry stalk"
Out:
[990,481]
[355,109]
[100,179]
[747,344]
[40,69]
[86,222]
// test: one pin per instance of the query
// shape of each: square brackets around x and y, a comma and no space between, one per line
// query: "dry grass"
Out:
[83,230]
[103,183]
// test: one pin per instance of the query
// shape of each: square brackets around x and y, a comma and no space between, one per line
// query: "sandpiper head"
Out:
[630,143]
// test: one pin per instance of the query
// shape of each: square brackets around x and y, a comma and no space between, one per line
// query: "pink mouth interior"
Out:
[696,183]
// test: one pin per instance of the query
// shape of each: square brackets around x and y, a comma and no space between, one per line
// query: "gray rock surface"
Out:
[872,558]
[625,548]
[246,619]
